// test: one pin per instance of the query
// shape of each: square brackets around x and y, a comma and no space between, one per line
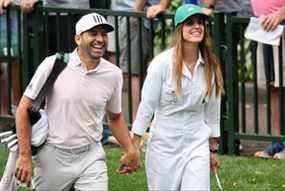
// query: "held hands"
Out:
[214,161]
[130,162]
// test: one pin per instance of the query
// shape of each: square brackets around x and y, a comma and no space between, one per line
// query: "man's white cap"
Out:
[92,20]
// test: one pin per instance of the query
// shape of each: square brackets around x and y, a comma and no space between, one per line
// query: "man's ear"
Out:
[77,39]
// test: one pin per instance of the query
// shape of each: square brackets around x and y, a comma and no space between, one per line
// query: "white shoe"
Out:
[280,155]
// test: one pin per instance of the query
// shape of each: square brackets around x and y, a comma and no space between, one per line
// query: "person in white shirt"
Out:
[87,88]
[182,90]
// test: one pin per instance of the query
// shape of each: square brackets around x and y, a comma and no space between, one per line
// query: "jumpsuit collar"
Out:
[200,62]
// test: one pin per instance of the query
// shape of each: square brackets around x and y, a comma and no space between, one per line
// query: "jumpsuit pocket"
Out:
[169,96]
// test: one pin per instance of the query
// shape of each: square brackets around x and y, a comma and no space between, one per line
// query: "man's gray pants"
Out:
[58,169]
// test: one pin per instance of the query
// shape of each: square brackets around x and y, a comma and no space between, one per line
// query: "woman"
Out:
[182,89]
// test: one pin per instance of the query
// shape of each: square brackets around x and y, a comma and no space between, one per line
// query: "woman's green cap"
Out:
[187,10]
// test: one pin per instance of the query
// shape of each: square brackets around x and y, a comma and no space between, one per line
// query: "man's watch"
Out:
[209,6]
[214,148]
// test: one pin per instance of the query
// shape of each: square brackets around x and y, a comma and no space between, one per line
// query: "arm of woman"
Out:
[212,119]
[150,100]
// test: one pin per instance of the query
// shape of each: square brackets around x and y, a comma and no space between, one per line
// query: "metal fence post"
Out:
[26,51]
[36,30]
[218,34]
[231,86]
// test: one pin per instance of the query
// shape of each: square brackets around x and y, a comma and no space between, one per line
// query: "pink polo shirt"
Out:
[265,7]
[79,99]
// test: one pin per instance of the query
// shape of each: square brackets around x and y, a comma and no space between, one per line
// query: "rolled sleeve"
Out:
[213,114]
[40,77]
[150,99]
[114,104]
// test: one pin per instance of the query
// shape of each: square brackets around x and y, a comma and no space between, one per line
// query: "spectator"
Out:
[209,5]
[84,90]
[134,5]
[15,66]
[28,5]
[242,7]
[100,4]
[182,90]
[153,7]
[272,13]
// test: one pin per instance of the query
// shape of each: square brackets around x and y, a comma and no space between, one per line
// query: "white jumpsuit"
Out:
[177,156]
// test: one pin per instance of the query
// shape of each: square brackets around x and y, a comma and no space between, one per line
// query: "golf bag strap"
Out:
[60,63]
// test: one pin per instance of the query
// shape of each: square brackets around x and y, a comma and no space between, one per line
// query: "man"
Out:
[209,5]
[14,68]
[85,89]
[154,9]
[242,7]
[272,13]
[28,5]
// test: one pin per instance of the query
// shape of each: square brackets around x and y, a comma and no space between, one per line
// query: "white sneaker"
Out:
[280,155]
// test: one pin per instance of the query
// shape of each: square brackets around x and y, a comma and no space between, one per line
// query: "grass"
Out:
[236,174]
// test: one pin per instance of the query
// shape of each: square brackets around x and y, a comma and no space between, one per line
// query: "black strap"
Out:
[58,67]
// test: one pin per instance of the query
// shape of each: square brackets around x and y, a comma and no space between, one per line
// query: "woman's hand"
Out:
[214,161]
[130,162]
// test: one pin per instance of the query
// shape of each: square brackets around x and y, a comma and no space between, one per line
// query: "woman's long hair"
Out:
[212,65]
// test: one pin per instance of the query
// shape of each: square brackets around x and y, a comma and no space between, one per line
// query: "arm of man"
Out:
[120,131]
[209,6]
[28,5]
[4,4]
[23,125]
[270,22]
[139,5]
[211,2]
[154,10]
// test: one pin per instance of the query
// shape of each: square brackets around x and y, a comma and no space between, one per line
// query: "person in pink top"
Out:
[269,8]
[272,13]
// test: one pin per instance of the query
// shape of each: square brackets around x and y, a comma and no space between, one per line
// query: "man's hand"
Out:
[154,10]
[208,11]
[28,5]
[214,161]
[24,169]
[4,4]
[130,162]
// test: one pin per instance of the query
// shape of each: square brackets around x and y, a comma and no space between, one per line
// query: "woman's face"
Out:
[193,29]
